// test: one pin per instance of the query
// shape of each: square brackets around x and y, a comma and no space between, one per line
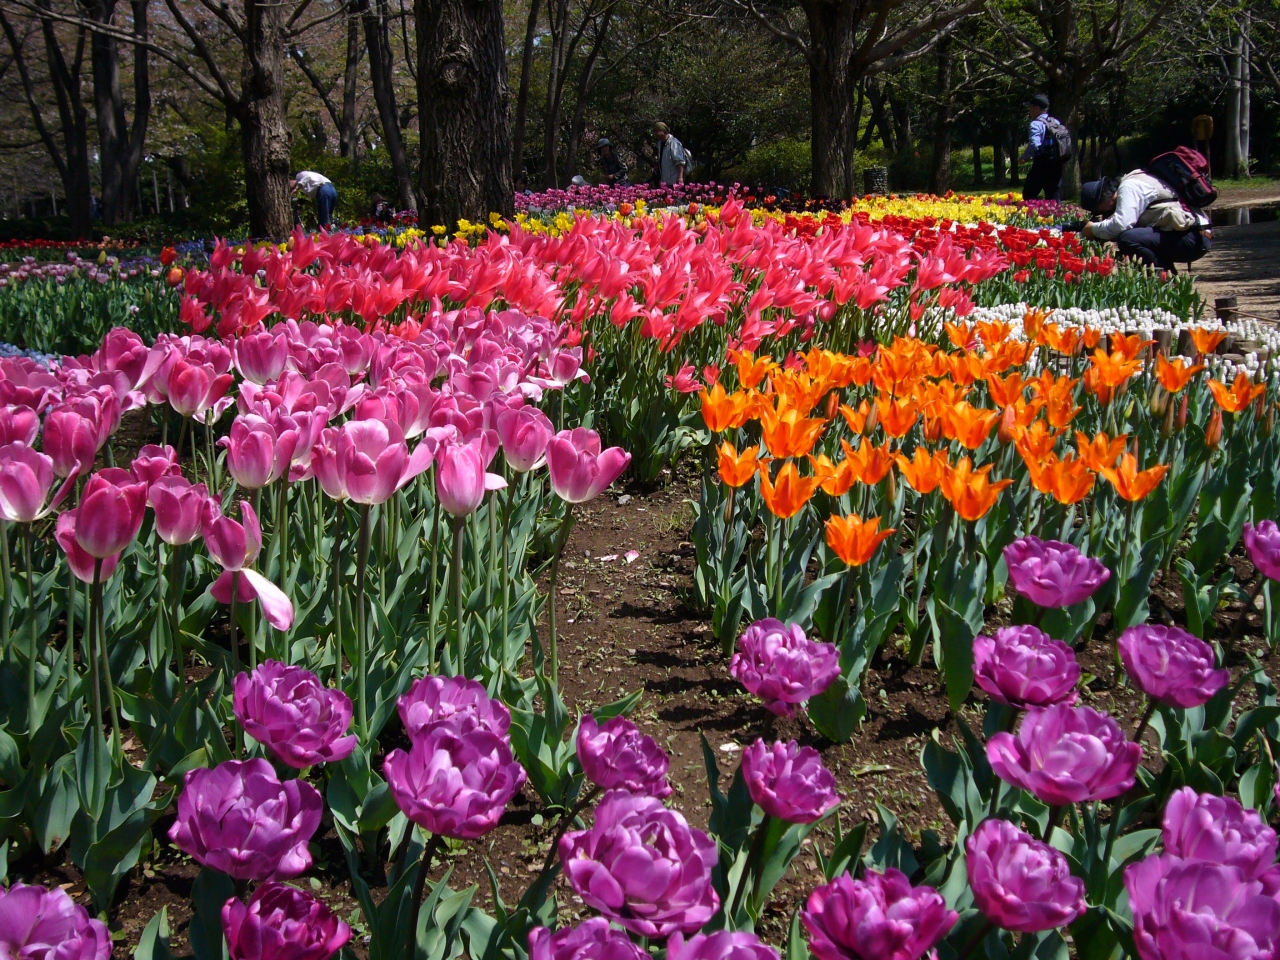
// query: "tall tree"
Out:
[463,111]
[843,42]
[382,74]
[120,144]
[522,95]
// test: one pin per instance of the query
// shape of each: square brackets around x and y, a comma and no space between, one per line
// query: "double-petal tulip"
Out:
[461,478]
[1262,543]
[290,712]
[788,782]
[579,469]
[41,924]
[855,540]
[456,700]
[880,917]
[281,922]
[367,461]
[1019,883]
[1170,665]
[1053,574]
[592,939]
[643,866]
[1201,826]
[26,480]
[240,819]
[721,945]
[1024,667]
[617,756]
[780,665]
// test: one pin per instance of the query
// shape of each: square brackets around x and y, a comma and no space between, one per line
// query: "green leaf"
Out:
[154,942]
[108,860]
[838,711]
[953,640]
[209,895]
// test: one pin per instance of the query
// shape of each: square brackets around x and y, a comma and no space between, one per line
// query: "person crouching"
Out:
[1147,221]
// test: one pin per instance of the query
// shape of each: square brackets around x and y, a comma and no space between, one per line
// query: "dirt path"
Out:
[1244,263]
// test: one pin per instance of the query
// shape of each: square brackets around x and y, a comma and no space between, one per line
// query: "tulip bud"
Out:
[873,418]
[833,405]
[1008,425]
[1213,432]
[1181,423]
[1159,401]
[1166,428]
[1269,421]
[174,276]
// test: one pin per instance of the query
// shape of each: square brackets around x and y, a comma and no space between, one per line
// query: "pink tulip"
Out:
[179,507]
[579,470]
[260,357]
[461,479]
[70,440]
[26,477]
[234,546]
[525,433]
[194,389]
[258,454]
[367,461]
[80,562]
[110,512]
[18,424]
[154,462]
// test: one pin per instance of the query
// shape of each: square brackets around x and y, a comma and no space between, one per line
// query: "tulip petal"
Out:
[276,605]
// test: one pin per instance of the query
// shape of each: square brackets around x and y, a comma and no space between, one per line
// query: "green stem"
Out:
[566,823]
[177,585]
[1055,814]
[7,583]
[31,623]
[506,566]
[337,590]
[976,939]
[1142,724]
[552,638]
[459,657]
[751,868]
[362,561]
[429,852]
[432,590]
[235,655]
[91,642]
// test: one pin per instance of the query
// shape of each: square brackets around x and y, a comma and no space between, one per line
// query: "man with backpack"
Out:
[673,160]
[1155,214]
[1048,146]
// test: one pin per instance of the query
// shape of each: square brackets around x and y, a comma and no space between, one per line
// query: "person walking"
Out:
[1045,176]
[1147,220]
[611,165]
[320,190]
[672,158]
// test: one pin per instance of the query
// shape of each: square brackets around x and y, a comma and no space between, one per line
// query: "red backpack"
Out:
[1186,173]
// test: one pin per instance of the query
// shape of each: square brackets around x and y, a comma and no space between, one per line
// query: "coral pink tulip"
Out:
[26,478]
[179,508]
[367,461]
[579,470]
[461,480]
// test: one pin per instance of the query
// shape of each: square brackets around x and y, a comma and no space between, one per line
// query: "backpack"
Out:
[1059,137]
[1186,173]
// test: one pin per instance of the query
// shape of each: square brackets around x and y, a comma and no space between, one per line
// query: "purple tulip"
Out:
[1024,667]
[1050,573]
[782,666]
[643,866]
[1262,543]
[618,756]
[1200,826]
[721,945]
[590,940]
[290,712]
[1192,910]
[1170,665]
[1018,882]
[282,923]
[41,924]
[880,917]
[789,783]
[463,702]
[238,818]
[454,781]
[1065,755]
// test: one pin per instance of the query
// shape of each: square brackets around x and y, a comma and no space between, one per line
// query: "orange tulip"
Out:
[1207,341]
[1033,320]
[960,334]
[861,371]
[1092,336]
[897,416]
[1213,430]
[994,332]
[750,370]
[786,496]
[968,424]
[1072,480]
[1010,353]
[966,368]
[719,409]
[1006,391]
[897,369]
[970,491]
[855,540]
[1128,346]
[870,462]
[1062,340]
[788,433]
[1037,441]
[736,468]
[1101,451]
[1176,374]
[856,419]
[1114,368]
[924,471]
[834,478]
[1239,395]
[1132,483]
[1041,471]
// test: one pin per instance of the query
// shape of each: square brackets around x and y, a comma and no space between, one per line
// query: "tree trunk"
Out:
[998,172]
[831,91]
[943,124]
[382,75]
[558,19]
[73,160]
[463,111]
[348,145]
[264,126]
[119,145]
[522,97]
[585,83]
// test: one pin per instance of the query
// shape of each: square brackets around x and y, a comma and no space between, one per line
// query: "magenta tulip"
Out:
[1019,883]
[80,562]
[258,454]
[454,783]
[291,713]
[880,917]
[787,782]
[179,508]
[1262,543]
[281,922]
[721,945]
[367,461]
[617,756]
[643,866]
[461,479]
[1050,573]
[260,357]
[592,939]
[579,469]
[1171,666]
[41,924]
[456,700]
[782,666]
[71,441]
[525,433]
[240,819]
[193,389]
[1024,667]
[1201,826]
[235,546]
[18,424]
[153,462]
[26,480]
[110,512]
[1063,755]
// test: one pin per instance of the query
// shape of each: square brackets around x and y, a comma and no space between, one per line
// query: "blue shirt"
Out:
[1036,138]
